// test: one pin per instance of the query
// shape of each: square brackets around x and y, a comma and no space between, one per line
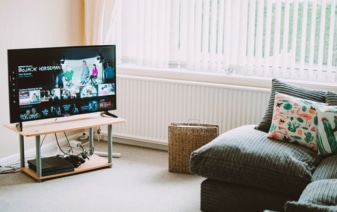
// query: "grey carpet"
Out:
[138,181]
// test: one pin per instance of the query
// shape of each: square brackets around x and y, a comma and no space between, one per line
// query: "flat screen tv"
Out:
[61,81]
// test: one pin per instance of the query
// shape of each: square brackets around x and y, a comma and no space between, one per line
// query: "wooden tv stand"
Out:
[43,127]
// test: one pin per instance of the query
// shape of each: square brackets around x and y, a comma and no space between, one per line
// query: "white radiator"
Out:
[150,105]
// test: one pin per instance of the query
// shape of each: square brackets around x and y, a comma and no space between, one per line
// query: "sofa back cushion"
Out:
[331,98]
[246,156]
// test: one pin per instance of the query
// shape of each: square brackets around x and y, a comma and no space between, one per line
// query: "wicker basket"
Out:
[184,138]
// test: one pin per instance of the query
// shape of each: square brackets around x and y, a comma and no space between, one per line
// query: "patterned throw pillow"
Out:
[327,128]
[289,89]
[295,120]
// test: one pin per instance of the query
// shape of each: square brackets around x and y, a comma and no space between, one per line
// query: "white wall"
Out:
[30,24]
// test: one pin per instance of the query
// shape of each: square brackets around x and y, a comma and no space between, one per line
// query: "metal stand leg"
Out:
[109,143]
[38,156]
[91,141]
[110,154]
[22,151]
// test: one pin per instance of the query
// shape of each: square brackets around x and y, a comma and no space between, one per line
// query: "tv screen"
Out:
[61,81]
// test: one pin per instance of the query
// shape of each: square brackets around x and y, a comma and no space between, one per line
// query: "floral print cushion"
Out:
[295,120]
[327,128]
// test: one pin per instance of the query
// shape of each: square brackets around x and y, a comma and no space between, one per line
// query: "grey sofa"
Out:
[245,170]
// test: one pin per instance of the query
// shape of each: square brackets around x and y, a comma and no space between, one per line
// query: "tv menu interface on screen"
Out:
[61,81]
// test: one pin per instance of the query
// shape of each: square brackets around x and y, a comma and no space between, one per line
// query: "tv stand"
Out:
[36,129]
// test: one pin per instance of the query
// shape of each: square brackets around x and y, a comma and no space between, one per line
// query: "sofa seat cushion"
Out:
[246,156]
[320,195]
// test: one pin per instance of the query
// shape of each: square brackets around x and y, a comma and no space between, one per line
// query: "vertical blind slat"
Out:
[267,49]
[259,36]
[175,36]
[190,24]
[303,38]
[321,73]
[277,33]
[331,34]
[221,35]
[251,37]
[293,51]
[198,34]
[312,35]
[214,26]
[322,33]
[205,35]
[242,41]
[284,53]
[233,52]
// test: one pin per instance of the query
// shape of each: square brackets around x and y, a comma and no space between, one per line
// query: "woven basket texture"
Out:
[184,138]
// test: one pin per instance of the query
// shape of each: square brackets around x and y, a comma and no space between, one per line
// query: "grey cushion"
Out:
[327,169]
[331,98]
[320,195]
[290,89]
[246,156]
[293,206]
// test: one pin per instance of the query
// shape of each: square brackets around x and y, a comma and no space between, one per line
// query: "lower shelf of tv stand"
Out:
[95,162]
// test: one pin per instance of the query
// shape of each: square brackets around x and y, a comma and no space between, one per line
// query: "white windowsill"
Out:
[213,78]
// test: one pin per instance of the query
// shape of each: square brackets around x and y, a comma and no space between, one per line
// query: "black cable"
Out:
[82,151]
[71,148]
[58,144]
[43,140]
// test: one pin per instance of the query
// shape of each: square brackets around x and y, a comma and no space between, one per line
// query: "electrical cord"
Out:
[9,169]
[60,148]
[71,153]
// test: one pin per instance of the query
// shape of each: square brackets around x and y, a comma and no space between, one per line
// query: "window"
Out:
[291,39]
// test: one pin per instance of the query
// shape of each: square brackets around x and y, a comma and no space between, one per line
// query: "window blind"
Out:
[293,39]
